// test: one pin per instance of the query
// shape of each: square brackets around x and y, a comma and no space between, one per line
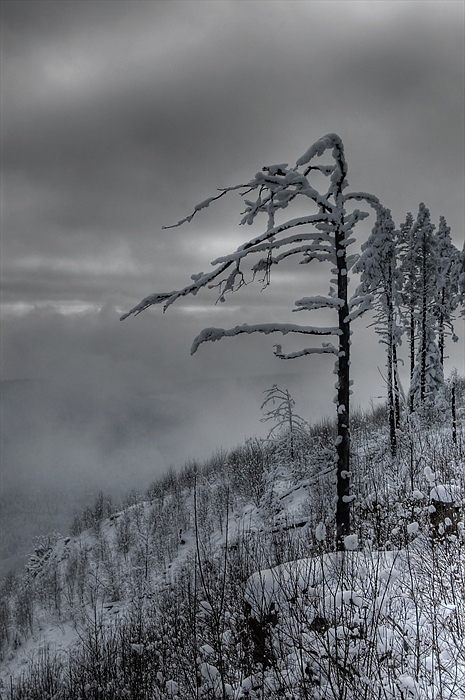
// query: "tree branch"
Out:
[325,349]
[213,334]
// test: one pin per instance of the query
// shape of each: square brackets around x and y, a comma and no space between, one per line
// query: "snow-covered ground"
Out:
[222,584]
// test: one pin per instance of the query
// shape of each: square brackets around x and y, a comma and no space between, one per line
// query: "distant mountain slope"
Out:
[60,446]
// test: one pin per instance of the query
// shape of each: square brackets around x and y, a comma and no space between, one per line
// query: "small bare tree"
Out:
[288,425]
[323,235]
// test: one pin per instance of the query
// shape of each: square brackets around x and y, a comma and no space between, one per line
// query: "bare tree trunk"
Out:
[441,339]
[390,366]
[424,334]
[396,385]
[291,432]
[412,354]
[343,395]
[391,404]
[454,415]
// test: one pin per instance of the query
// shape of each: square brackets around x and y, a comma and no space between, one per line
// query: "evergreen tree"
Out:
[460,272]
[423,260]
[381,278]
[409,285]
[447,289]
[428,387]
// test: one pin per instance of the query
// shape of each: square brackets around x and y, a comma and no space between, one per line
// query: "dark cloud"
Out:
[116,119]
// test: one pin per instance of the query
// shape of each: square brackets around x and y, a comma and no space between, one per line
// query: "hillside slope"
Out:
[221,582]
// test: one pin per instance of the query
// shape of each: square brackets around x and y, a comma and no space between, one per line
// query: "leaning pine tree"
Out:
[324,234]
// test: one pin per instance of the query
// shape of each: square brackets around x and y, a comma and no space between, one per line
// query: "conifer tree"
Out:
[447,289]
[461,278]
[423,261]
[381,278]
[428,387]
[409,294]
[323,235]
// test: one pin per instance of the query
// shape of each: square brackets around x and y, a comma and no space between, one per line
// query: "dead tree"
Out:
[323,235]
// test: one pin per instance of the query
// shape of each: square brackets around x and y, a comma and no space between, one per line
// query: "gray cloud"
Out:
[116,119]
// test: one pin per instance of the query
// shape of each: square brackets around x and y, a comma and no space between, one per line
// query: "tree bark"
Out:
[441,339]
[391,404]
[390,365]
[424,333]
[412,354]
[343,395]
[396,385]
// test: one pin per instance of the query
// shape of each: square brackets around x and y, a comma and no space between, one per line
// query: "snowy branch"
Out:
[254,247]
[318,302]
[200,280]
[364,304]
[325,349]
[291,223]
[319,147]
[150,300]
[365,197]
[213,334]
[206,203]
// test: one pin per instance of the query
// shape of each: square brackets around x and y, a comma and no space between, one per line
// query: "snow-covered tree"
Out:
[409,286]
[421,265]
[324,235]
[289,428]
[461,278]
[380,277]
[451,391]
[448,283]
[428,388]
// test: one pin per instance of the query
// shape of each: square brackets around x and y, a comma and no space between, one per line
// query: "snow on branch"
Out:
[203,205]
[284,184]
[353,219]
[277,185]
[291,223]
[365,197]
[214,334]
[305,250]
[200,280]
[309,255]
[319,147]
[150,300]
[318,302]
[339,170]
[243,251]
[364,304]
[326,348]
[360,297]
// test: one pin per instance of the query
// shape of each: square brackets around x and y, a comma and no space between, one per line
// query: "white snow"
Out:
[445,493]
[351,542]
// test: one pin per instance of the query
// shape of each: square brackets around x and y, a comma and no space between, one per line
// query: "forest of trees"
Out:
[412,278]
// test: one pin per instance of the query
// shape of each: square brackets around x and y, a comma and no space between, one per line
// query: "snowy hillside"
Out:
[222,581]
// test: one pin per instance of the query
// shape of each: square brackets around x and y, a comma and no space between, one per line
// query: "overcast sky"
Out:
[117,118]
